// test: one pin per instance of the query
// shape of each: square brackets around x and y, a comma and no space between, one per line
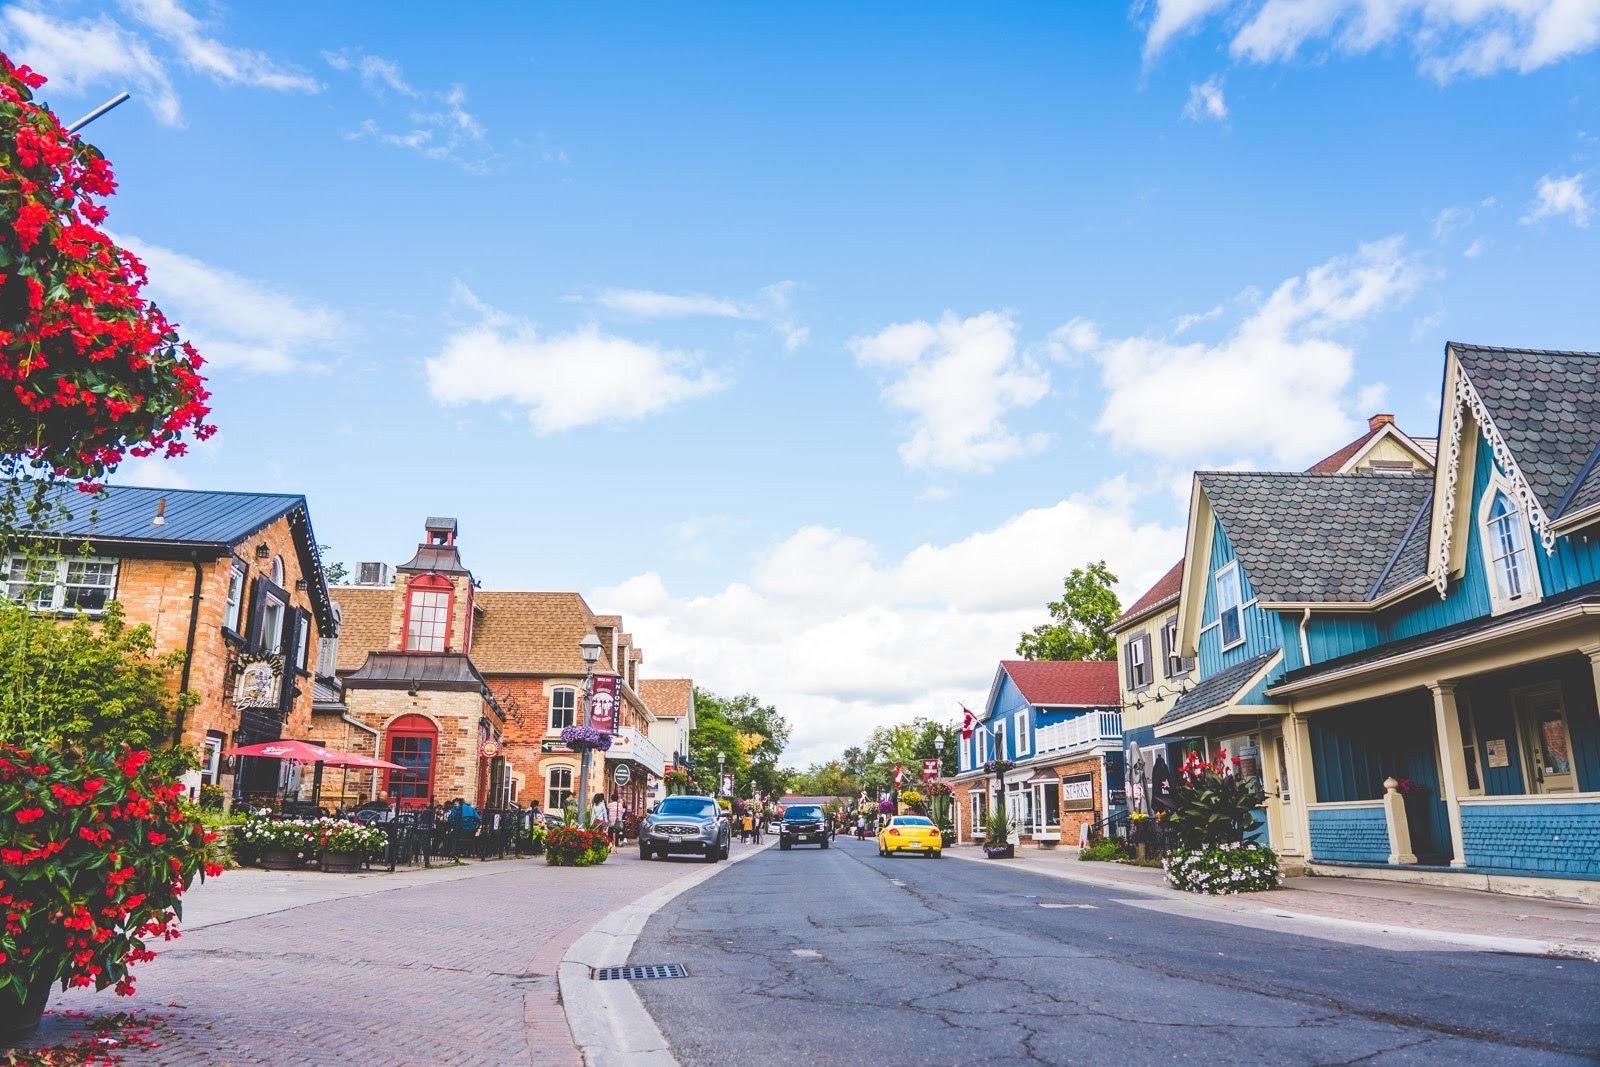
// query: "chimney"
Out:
[1377,422]
[161,513]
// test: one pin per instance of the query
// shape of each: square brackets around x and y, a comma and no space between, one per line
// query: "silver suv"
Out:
[685,824]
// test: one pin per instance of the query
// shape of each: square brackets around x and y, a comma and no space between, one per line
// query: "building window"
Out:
[75,584]
[1019,724]
[1000,740]
[1138,649]
[236,577]
[275,572]
[428,607]
[1046,807]
[563,708]
[211,759]
[1173,664]
[558,788]
[1230,612]
[302,638]
[1513,578]
[1469,743]
[980,814]
[272,612]
[413,742]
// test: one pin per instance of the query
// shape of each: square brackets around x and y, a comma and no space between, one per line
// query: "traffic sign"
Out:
[620,774]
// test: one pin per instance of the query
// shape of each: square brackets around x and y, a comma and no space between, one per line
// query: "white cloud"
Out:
[233,321]
[208,55]
[154,472]
[842,640]
[957,380]
[436,125]
[563,380]
[1206,101]
[1475,249]
[86,54]
[773,305]
[1450,37]
[1280,380]
[935,494]
[1555,197]
[78,56]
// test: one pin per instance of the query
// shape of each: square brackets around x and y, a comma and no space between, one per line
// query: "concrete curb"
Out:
[609,1023]
[1235,908]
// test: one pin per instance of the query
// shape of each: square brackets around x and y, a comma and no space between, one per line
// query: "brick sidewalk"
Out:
[1369,900]
[445,967]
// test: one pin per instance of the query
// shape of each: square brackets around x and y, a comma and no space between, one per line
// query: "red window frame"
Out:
[428,583]
[408,728]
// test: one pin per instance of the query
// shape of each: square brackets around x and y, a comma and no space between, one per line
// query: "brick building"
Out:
[470,688]
[231,580]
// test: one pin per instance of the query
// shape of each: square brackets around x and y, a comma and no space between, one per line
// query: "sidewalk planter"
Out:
[280,859]
[286,844]
[1000,852]
[1223,869]
[571,846]
[342,862]
[20,1018]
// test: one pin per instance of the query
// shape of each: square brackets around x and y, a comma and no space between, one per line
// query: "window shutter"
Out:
[257,603]
[1127,663]
[1166,651]
[1149,664]
[291,653]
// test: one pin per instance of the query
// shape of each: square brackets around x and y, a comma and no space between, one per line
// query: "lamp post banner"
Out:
[603,703]
[930,770]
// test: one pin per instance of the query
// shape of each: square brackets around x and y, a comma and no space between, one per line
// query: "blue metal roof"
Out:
[193,516]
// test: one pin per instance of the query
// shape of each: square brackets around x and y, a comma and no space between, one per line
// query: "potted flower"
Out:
[912,799]
[345,844]
[585,738]
[997,836]
[95,852]
[573,846]
[278,844]
[1213,809]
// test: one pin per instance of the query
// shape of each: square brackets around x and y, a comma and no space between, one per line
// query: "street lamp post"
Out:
[590,647]
[938,754]
[721,759]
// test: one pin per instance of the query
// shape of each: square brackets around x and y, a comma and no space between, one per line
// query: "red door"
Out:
[414,744]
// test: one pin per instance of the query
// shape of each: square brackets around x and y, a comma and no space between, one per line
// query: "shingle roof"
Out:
[667,697]
[1332,464]
[1217,689]
[1547,407]
[1066,683]
[1410,560]
[1315,538]
[1166,588]
[532,633]
[367,613]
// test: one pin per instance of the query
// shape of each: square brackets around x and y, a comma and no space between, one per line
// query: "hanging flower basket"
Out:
[585,738]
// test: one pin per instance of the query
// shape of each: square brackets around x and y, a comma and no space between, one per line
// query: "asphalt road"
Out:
[842,957]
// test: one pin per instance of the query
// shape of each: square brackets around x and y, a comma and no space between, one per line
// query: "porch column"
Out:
[1447,726]
[1593,652]
[1303,776]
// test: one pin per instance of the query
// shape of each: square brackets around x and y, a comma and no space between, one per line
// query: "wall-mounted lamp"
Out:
[262,551]
[301,585]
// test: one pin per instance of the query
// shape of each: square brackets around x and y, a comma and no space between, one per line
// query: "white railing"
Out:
[1093,728]
[630,744]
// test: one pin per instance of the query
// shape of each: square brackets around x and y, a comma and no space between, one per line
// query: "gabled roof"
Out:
[1334,463]
[533,633]
[1546,405]
[1157,596]
[437,559]
[668,698]
[1316,538]
[366,614]
[1065,683]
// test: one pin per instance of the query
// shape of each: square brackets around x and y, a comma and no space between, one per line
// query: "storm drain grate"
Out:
[636,972]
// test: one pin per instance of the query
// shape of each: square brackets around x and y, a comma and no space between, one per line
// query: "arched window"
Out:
[1507,554]
[563,707]
[277,571]
[428,604]
[413,743]
[558,787]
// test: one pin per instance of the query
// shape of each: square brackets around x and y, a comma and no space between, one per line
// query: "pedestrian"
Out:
[759,819]
[598,813]
[861,827]
[614,819]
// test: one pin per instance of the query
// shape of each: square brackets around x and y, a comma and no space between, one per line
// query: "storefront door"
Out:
[1546,740]
[1279,787]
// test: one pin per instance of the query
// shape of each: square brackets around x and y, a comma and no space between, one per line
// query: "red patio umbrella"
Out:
[306,752]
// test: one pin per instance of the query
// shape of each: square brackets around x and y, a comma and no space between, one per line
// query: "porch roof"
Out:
[1216,694]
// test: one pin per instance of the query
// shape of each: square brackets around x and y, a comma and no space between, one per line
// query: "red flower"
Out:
[27,815]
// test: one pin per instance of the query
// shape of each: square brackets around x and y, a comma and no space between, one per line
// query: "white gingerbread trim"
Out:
[1467,399]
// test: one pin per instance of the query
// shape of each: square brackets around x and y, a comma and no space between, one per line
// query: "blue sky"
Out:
[822,342]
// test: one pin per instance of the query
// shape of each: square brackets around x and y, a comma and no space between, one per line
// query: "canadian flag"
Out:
[968,724]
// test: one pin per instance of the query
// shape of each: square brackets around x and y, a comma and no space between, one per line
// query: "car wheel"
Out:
[713,854]
[824,842]
[783,846]
[644,853]
[937,854]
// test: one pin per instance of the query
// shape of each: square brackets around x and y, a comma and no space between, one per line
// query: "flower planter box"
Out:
[20,1018]
[280,859]
[1000,852]
[341,862]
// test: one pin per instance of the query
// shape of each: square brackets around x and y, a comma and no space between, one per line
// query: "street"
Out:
[843,957]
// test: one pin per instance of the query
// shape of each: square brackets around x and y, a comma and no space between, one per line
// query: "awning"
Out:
[1042,777]
[1217,697]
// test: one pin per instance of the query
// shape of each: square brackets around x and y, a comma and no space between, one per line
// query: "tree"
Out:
[1083,617]
[334,573]
[829,779]
[750,735]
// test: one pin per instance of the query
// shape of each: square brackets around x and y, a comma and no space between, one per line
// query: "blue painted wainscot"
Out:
[1531,837]
[1349,833]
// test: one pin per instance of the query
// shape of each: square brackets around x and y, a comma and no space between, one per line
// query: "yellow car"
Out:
[910,833]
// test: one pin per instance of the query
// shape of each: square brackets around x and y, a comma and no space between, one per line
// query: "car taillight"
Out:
[893,832]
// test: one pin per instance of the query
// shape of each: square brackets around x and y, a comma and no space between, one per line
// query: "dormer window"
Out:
[1513,575]
[1230,606]
[428,604]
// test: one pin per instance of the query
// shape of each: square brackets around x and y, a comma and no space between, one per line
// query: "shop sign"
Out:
[620,774]
[260,682]
[603,701]
[1077,792]
[490,749]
